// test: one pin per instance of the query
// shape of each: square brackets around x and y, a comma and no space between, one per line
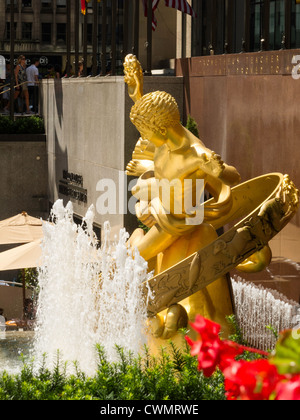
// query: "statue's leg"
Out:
[153,243]
[213,302]
[136,237]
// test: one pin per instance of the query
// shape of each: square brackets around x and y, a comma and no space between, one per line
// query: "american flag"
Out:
[154,7]
[181,5]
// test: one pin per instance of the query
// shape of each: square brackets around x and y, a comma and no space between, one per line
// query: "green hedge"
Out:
[171,376]
[26,125]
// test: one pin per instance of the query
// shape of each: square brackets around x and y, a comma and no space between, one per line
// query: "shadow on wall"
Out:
[60,150]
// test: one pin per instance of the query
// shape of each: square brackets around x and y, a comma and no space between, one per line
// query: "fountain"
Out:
[258,308]
[88,295]
[177,269]
[15,347]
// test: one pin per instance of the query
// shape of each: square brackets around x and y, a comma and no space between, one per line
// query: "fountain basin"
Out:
[14,344]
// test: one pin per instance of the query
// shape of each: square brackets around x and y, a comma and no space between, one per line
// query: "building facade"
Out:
[41,29]
[234,26]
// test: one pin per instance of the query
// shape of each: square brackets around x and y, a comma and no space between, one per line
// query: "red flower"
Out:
[210,349]
[288,390]
[251,380]
[206,328]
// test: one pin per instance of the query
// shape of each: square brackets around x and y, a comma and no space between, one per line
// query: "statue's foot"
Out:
[176,319]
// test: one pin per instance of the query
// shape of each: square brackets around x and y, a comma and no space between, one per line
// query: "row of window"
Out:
[219,26]
[46,32]
[45,3]
[61,32]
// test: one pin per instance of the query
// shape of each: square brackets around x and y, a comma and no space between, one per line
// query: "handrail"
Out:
[7,90]
[2,86]
[13,284]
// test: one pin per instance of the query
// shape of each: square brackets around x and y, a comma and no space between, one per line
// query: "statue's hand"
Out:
[175,319]
[133,76]
[144,215]
[212,165]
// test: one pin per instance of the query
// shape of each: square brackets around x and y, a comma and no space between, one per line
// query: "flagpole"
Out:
[136,30]
[149,38]
[76,38]
[125,29]
[84,47]
[103,35]
[113,36]
[95,38]
[68,66]
[12,57]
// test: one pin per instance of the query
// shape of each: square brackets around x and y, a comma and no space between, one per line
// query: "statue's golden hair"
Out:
[156,111]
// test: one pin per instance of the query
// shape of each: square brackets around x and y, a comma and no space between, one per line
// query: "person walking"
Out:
[21,89]
[2,321]
[32,74]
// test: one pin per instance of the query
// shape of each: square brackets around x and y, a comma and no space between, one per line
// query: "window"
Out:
[27,31]
[47,33]
[295,35]
[46,3]
[9,1]
[277,23]
[26,3]
[61,3]
[7,30]
[256,25]
[267,25]
[61,31]
[89,33]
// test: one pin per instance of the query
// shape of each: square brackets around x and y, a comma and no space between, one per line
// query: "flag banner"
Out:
[154,7]
[182,6]
[83,5]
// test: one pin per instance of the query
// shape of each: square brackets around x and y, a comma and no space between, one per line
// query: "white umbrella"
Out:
[20,229]
[20,257]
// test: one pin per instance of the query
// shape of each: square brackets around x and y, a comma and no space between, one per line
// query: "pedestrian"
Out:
[32,74]
[21,88]
[6,89]
[50,72]
[80,69]
[2,321]
[21,81]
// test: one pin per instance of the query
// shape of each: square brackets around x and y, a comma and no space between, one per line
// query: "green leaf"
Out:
[287,353]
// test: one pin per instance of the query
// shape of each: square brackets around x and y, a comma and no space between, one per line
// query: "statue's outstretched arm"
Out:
[134,77]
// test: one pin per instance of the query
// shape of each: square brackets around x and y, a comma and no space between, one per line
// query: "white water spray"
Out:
[258,308]
[88,296]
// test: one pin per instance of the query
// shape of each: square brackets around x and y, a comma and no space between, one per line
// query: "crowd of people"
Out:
[26,84]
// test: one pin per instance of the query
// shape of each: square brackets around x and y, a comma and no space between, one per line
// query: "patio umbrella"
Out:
[21,257]
[20,229]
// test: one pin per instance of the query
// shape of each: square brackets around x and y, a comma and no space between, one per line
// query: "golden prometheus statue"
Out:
[189,260]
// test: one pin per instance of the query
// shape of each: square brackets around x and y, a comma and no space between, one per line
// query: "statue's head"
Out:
[154,113]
